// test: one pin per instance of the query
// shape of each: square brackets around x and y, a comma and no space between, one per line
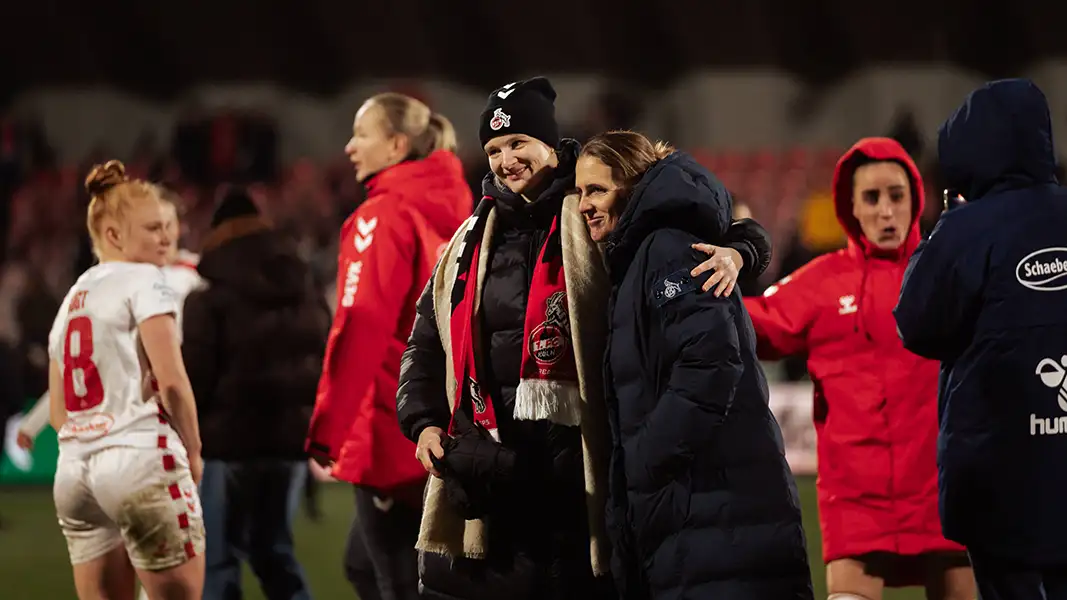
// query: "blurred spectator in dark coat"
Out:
[253,345]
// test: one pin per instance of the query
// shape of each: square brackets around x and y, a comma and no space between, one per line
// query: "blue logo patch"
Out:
[672,286]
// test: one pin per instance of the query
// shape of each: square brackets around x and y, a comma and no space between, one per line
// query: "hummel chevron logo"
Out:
[504,95]
[365,227]
[364,233]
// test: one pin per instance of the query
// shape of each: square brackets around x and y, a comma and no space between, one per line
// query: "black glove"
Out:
[753,243]
[473,458]
[475,468]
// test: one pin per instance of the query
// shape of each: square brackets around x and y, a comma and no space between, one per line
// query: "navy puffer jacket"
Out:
[703,503]
[985,294]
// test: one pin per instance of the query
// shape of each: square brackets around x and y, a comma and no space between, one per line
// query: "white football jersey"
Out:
[107,384]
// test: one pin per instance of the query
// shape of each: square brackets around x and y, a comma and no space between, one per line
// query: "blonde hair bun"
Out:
[104,177]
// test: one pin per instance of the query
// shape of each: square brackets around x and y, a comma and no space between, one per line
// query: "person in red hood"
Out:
[875,406]
[416,199]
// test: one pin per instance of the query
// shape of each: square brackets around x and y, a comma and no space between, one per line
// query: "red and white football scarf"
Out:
[548,388]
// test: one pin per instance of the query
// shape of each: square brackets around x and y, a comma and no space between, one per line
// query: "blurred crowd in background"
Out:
[45,247]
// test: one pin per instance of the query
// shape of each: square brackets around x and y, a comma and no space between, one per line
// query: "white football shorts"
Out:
[143,498]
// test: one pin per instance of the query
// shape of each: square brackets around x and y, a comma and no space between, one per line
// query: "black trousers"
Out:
[998,579]
[380,558]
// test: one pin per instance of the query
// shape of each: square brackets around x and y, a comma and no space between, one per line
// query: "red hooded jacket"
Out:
[875,406]
[389,247]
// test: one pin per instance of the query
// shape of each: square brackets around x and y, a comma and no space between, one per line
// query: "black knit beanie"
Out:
[526,107]
[235,203]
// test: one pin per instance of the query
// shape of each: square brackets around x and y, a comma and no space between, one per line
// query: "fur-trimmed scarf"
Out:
[459,278]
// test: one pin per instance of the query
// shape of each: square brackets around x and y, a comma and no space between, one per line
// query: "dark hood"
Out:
[255,262]
[676,193]
[1000,138]
[562,182]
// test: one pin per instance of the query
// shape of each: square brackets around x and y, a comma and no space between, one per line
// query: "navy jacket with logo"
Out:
[986,295]
[703,504]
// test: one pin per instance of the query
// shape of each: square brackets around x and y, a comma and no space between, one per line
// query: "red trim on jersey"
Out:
[184,263]
[170,465]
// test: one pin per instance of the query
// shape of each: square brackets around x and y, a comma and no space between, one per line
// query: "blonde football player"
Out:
[120,400]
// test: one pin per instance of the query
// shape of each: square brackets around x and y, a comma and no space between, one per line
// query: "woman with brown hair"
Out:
[874,403]
[403,153]
[702,500]
[501,384]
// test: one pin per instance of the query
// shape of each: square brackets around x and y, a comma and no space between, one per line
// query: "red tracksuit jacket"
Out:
[389,247]
[875,403]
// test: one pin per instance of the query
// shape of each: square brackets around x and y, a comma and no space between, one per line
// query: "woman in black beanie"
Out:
[501,383]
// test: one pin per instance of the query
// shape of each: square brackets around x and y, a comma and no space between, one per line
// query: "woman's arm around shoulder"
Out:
[753,243]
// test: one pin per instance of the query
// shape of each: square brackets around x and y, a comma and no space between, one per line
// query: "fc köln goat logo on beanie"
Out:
[500,120]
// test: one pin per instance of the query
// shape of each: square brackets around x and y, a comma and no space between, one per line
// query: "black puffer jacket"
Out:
[253,344]
[538,533]
[703,503]
[539,538]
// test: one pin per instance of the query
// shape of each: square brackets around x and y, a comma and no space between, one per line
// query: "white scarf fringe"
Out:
[548,400]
